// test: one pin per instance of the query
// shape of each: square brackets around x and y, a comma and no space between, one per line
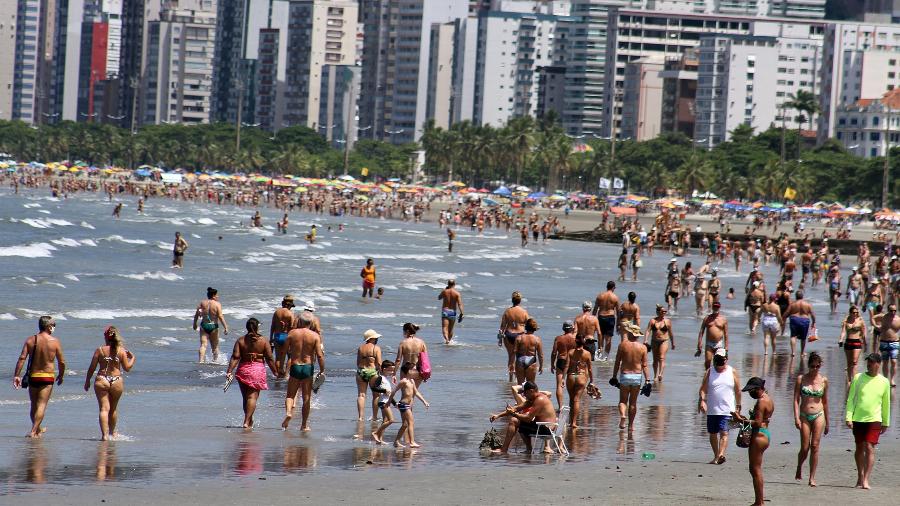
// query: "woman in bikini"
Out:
[853,328]
[661,334]
[772,322]
[759,440]
[578,374]
[368,363]
[623,264]
[629,312]
[529,353]
[810,415]
[111,358]
[250,355]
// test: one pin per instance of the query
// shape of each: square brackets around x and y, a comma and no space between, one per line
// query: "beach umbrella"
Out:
[483,190]
[775,205]
[503,191]
[557,198]
[537,195]
[522,189]
[346,177]
[490,202]
[301,189]
[865,210]
[142,173]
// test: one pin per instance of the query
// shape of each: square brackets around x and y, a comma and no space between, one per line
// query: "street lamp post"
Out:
[887,159]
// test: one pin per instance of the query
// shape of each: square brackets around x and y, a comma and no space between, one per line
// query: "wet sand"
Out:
[627,482]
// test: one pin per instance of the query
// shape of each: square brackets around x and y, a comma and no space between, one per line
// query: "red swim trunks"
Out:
[368,284]
[867,432]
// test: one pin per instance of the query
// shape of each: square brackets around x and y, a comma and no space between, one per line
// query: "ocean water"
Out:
[73,260]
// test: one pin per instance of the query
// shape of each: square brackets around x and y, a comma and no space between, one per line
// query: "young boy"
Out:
[382,386]
[380,293]
[408,389]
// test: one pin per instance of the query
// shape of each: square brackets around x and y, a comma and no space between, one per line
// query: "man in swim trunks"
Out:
[854,285]
[799,316]
[209,312]
[368,276]
[606,307]
[282,323]
[868,415]
[562,344]
[512,325]
[523,418]
[588,326]
[303,345]
[631,362]
[888,342]
[41,350]
[715,328]
[178,251]
[451,309]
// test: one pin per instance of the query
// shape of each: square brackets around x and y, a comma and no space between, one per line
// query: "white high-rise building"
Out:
[869,127]
[860,63]
[642,99]
[180,63]
[8,23]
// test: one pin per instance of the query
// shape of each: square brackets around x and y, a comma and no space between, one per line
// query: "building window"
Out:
[874,136]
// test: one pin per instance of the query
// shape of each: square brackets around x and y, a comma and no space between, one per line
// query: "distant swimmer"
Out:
[250,356]
[109,361]
[209,312]
[303,346]
[282,323]
[140,209]
[283,224]
[606,308]
[512,325]
[451,235]
[41,350]
[451,309]
[117,212]
[311,236]
[257,219]
[178,251]
[368,278]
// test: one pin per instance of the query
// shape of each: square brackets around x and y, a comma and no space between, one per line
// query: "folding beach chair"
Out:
[557,435]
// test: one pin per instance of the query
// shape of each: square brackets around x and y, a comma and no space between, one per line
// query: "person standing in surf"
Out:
[178,250]
[408,352]
[451,309]
[250,356]
[368,278]
[303,346]
[282,323]
[41,350]
[209,312]
[112,359]
[512,325]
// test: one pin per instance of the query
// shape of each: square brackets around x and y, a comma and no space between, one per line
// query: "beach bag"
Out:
[813,336]
[744,436]
[639,264]
[492,440]
[26,377]
[424,366]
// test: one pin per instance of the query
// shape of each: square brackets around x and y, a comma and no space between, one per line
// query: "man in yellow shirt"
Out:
[868,414]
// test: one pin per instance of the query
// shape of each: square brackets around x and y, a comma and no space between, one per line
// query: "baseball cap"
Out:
[567,326]
[722,352]
[873,357]
[716,305]
[754,383]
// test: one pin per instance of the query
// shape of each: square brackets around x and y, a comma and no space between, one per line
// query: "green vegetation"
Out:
[294,150]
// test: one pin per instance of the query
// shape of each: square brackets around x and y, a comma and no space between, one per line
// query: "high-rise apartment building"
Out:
[642,98]
[320,32]
[27,61]
[180,47]
[680,93]
[397,33]
[8,23]
[132,82]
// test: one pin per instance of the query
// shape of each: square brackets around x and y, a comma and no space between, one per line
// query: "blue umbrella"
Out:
[142,173]
[490,202]
[537,195]
[502,191]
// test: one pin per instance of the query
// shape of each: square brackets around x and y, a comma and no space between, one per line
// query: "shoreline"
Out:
[522,479]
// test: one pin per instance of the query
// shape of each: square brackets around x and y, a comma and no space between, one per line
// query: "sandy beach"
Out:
[508,480]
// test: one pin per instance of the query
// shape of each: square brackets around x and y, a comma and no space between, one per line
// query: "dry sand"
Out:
[523,479]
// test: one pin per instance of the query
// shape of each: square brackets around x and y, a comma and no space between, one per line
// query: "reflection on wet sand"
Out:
[249,458]
[106,461]
[298,457]
[36,466]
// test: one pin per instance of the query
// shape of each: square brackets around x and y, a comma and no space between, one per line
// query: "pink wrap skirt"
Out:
[253,375]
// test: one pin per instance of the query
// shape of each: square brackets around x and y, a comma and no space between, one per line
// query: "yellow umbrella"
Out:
[301,189]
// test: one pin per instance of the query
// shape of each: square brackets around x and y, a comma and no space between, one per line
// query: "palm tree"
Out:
[520,138]
[655,177]
[693,174]
[804,102]
[559,159]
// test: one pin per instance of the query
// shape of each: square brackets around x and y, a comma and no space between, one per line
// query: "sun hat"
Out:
[370,334]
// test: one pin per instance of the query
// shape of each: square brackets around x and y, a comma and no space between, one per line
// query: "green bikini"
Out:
[808,392]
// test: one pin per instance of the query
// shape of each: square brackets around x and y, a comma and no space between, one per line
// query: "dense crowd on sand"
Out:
[295,344]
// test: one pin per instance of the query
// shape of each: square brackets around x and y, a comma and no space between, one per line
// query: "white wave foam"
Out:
[7,316]
[113,314]
[119,238]
[71,277]
[87,225]
[485,274]
[206,221]
[230,269]
[255,258]
[335,257]
[288,247]
[65,241]
[162,245]
[31,205]
[29,279]
[159,275]
[88,242]
[35,250]
[161,342]
[195,236]
[44,211]
[261,231]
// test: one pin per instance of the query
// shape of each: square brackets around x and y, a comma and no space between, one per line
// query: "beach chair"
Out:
[557,435]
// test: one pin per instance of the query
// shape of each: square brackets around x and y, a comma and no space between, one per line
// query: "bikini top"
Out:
[108,360]
[808,392]
[663,329]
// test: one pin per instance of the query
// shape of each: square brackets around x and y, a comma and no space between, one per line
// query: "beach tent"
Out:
[537,195]
[506,192]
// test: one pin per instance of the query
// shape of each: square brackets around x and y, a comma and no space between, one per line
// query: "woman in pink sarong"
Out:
[250,356]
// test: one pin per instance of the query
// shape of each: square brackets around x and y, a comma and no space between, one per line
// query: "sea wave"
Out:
[44,222]
[7,316]
[159,275]
[33,250]
[288,247]
[119,238]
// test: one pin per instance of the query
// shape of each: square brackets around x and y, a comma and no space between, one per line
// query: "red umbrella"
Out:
[483,190]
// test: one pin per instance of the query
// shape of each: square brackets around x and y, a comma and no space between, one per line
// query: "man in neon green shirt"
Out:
[868,414]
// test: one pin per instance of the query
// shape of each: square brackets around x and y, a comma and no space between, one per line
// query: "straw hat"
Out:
[631,328]
[370,335]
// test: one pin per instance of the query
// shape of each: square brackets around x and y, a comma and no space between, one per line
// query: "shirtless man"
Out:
[282,323]
[408,352]
[754,304]
[562,344]
[529,353]
[41,350]
[303,345]
[209,312]
[178,250]
[715,327]
[799,316]
[512,325]
[629,371]
[854,285]
[451,309]
[523,418]
[606,307]
[588,326]
[805,263]
[714,287]
[888,342]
